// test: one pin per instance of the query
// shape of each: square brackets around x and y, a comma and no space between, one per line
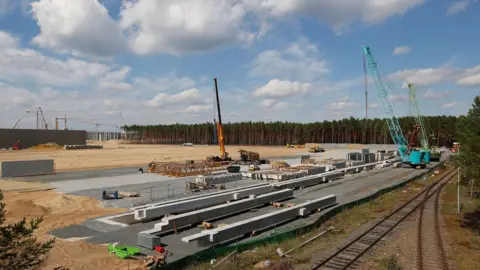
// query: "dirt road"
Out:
[124,155]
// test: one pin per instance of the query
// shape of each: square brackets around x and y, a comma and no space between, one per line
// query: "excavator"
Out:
[221,140]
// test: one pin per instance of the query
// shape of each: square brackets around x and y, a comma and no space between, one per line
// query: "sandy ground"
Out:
[61,210]
[116,155]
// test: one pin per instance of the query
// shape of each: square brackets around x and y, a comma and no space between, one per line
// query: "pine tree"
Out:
[19,248]
[468,135]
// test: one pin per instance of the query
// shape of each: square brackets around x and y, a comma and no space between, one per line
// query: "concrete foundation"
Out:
[240,229]
[154,212]
[27,168]
[215,179]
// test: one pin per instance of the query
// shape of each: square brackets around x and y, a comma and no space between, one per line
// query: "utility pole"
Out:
[458,182]
[36,111]
[366,100]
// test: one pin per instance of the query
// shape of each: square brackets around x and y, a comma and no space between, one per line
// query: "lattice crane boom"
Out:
[419,119]
[382,85]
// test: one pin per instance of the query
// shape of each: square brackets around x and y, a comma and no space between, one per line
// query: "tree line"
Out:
[351,130]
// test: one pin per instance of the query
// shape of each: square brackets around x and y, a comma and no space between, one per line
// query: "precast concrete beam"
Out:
[190,218]
[154,212]
[197,196]
[239,229]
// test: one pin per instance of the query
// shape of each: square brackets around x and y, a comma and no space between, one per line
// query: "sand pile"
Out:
[47,146]
[60,210]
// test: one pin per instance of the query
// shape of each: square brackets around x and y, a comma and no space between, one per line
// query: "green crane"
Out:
[419,120]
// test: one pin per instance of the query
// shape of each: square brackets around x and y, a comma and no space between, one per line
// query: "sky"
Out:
[125,62]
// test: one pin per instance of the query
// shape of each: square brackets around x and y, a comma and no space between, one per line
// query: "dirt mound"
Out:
[45,146]
[58,201]
[21,208]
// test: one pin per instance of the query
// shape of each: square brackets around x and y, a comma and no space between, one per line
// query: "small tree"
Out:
[468,135]
[19,249]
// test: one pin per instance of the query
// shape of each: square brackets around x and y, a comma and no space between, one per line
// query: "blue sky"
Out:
[152,62]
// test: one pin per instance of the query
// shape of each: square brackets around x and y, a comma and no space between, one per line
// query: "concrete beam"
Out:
[154,212]
[198,196]
[186,219]
[215,179]
[239,229]
[309,180]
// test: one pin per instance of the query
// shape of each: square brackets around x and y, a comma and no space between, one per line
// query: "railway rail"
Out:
[429,241]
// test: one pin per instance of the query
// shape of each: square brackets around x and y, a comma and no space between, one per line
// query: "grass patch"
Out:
[390,263]
[345,224]
[463,229]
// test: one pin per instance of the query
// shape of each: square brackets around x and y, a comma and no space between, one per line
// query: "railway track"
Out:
[430,249]
[428,235]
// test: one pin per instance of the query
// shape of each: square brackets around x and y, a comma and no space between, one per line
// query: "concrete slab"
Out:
[27,168]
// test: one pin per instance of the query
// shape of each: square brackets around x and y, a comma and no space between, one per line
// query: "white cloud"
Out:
[458,7]
[190,96]
[198,108]
[165,83]
[449,105]
[298,61]
[343,104]
[470,77]
[276,88]
[275,104]
[27,65]
[79,27]
[402,50]
[436,94]
[424,77]
[338,14]
[182,26]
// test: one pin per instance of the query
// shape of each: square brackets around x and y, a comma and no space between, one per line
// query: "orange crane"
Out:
[221,140]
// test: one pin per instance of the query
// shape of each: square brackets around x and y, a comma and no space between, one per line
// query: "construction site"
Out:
[117,204]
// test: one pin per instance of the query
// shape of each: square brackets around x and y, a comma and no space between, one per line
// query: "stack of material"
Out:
[248,155]
[354,156]
[214,179]
[278,164]
[84,146]
[177,169]
[380,155]
[369,157]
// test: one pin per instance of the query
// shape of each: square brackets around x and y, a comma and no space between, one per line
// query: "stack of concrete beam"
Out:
[380,156]
[309,180]
[129,217]
[354,156]
[155,212]
[214,179]
[81,146]
[175,222]
[240,229]
[275,175]
[313,170]
[339,164]
[369,157]
[354,163]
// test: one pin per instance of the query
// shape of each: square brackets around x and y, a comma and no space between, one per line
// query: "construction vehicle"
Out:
[410,157]
[16,146]
[221,140]
[316,149]
[294,145]
[254,167]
